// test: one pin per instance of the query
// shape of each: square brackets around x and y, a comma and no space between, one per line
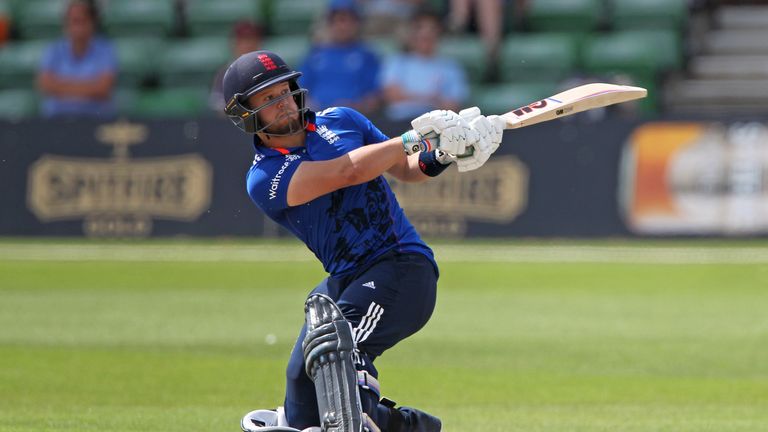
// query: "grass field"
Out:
[170,336]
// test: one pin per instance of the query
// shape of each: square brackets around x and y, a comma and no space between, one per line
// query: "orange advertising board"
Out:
[696,178]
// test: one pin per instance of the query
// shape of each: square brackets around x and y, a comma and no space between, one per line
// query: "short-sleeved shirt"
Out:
[336,74]
[59,59]
[347,228]
[423,78]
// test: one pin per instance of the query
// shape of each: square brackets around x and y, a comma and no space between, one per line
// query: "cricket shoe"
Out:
[266,420]
[406,419]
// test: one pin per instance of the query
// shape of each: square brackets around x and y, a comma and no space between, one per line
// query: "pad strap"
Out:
[369,382]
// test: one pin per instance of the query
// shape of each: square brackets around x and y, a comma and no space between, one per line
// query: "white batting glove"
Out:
[490,132]
[470,114]
[439,129]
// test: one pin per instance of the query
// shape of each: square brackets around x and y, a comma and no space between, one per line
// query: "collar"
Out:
[278,151]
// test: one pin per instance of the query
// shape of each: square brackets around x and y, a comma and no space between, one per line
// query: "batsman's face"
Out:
[282,114]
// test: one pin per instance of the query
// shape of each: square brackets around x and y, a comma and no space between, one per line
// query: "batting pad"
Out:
[328,348]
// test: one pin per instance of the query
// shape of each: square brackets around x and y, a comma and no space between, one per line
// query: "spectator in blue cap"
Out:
[342,70]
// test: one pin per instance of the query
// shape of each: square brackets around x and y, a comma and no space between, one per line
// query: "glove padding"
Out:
[447,130]
[489,130]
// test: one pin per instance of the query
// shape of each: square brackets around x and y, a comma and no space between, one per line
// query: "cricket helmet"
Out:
[251,73]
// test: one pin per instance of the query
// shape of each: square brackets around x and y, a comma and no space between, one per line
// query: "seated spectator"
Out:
[246,36]
[489,19]
[78,72]
[5,27]
[388,17]
[419,80]
[343,71]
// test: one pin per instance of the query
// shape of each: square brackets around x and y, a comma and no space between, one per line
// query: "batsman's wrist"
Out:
[413,142]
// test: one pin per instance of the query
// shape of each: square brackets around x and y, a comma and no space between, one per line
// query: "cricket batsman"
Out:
[319,175]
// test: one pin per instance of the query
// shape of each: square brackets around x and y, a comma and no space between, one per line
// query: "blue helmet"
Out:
[251,73]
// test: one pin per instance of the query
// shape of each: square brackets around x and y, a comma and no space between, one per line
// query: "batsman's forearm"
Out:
[368,162]
[410,172]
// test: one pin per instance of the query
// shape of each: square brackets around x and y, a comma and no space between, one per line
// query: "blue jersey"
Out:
[345,229]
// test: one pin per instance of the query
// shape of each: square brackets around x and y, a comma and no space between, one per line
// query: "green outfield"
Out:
[527,336]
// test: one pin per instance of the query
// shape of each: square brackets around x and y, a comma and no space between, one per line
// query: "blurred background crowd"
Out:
[393,58]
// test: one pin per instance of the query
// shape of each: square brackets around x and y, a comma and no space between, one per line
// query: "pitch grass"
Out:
[191,346]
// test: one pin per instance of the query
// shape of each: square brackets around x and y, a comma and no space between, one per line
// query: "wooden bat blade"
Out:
[575,100]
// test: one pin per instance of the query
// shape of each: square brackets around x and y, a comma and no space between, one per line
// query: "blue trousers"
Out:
[385,302]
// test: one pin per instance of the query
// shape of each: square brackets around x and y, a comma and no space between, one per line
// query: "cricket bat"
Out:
[575,100]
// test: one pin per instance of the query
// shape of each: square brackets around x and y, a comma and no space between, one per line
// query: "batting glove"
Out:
[489,130]
[438,129]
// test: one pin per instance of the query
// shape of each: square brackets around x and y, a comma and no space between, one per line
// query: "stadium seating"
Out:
[16,104]
[138,58]
[470,52]
[5,21]
[193,61]
[139,17]
[643,53]
[291,48]
[438,6]
[648,14]
[165,50]
[501,98]
[564,15]
[210,18]
[295,17]
[537,56]
[19,62]
[180,102]
[39,19]
[384,46]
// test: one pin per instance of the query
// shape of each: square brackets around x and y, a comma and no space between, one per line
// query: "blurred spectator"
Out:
[419,80]
[5,27]
[343,71]
[388,17]
[246,36]
[489,19]
[78,72]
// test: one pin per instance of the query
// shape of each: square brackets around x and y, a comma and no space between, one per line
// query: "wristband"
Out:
[431,164]
[414,143]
